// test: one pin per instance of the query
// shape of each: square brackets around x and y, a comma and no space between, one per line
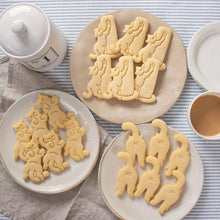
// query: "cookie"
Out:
[145,81]
[53,158]
[169,193]
[179,159]
[101,78]
[135,145]
[33,168]
[106,35]
[133,39]
[157,45]
[23,136]
[74,146]
[149,180]
[127,175]
[159,144]
[38,123]
[50,106]
[122,85]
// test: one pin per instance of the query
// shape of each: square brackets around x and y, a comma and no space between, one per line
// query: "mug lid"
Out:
[24,29]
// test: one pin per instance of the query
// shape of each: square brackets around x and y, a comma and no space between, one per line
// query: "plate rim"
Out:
[191,55]
[54,191]
[121,10]
[109,147]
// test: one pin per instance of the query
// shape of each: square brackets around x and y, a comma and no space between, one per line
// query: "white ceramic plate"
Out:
[203,56]
[77,171]
[169,83]
[136,208]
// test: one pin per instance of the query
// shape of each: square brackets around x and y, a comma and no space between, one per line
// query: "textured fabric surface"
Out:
[186,17]
[19,203]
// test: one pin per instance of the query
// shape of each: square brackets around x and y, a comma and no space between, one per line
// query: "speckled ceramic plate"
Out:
[77,171]
[169,83]
[129,208]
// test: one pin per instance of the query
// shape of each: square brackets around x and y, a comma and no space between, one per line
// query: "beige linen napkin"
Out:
[16,202]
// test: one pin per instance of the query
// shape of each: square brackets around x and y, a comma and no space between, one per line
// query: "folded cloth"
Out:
[16,202]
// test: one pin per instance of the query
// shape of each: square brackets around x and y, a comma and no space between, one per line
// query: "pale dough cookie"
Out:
[157,45]
[127,175]
[74,146]
[149,180]
[23,136]
[106,35]
[169,193]
[101,78]
[33,168]
[159,144]
[53,158]
[134,37]
[179,159]
[38,123]
[145,81]
[50,106]
[122,85]
[135,145]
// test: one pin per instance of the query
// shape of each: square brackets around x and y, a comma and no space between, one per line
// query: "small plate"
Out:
[129,208]
[203,56]
[77,171]
[169,83]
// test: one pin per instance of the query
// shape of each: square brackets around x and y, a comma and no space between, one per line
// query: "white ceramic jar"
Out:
[30,37]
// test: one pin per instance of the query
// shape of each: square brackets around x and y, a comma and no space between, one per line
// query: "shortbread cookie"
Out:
[159,144]
[53,158]
[133,40]
[23,136]
[127,175]
[122,85]
[135,145]
[50,106]
[106,35]
[145,81]
[157,45]
[149,180]
[101,78]
[33,168]
[169,193]
[179,159]
[74,146]
[38,123]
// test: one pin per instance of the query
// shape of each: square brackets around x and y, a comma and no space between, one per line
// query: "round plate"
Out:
[129,208]
[77,171]
[203,56]
[169,83]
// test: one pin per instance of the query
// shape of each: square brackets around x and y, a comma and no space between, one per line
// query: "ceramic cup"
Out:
[204,115]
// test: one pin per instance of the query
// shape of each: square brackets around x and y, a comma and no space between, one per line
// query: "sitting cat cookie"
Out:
[74,146]
[33,168]
[23,136]
[50,106]
[127,175]
[133,39]
[106,35]
[38,123]
[53,158]
[179,159]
